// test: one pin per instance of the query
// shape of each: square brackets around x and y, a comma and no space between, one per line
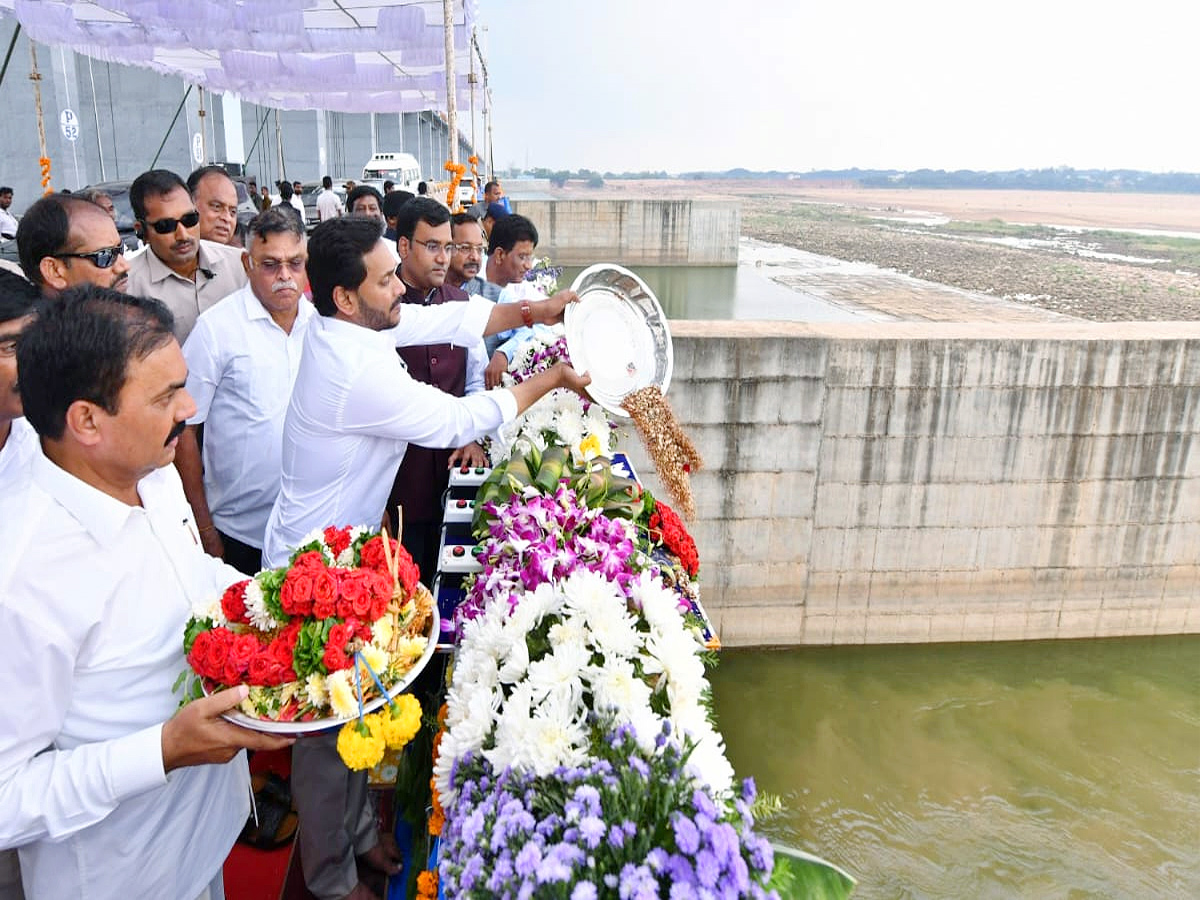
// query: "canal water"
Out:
[1061,769]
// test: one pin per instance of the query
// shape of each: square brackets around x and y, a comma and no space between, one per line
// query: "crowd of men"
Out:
[172,422]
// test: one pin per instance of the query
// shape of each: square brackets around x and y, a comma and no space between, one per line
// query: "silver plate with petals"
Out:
[618,334]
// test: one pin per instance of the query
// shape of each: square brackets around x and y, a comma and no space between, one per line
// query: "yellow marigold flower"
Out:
[401,720]
[437,821]
[381,631]
[377,658]
[360,744]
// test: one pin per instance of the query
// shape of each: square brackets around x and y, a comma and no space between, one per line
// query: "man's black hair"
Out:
[80,348]
[420,209]
[336,249]
[203,172]
[45,229]
[285,191]
[387,187]
[275,220]
[491,184]
[508,231]
[393,201]
[17,296]
[360,191]
[155,183]
[463,218]
[327,182]
[422,188]
[6,190]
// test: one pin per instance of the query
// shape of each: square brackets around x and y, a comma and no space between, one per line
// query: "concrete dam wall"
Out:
[636,232]
[923,482]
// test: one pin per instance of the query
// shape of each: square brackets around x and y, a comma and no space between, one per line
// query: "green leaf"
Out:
[801,875]
[191,630]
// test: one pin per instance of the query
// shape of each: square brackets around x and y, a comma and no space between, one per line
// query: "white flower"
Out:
[314,689]
[210,608]
[376,658]
[556,736]
[342,698]
[560,670]
[616,689]
[569,425]
[409,649]
[709,764]
[381,631]
[602,606]
[256,608]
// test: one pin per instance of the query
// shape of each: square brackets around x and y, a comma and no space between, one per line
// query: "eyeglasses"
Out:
[166,226]
[468,248]
[274,266]
[435,247]
[101,259]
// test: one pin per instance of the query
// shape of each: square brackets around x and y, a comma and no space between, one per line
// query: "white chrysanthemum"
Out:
[657,601]
[566,631]
[539,417]
[611,628]
[314,690]
[675,657]
[256,608]
[514,663]
[710,765]
[569,425]
[381,631]
[210,608]
[617,689]
[559,670]
[345,559]
[342,698]
[556,736]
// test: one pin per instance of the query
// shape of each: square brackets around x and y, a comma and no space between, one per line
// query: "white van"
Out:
[402,168]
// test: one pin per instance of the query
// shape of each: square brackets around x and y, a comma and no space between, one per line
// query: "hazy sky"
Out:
[788,84]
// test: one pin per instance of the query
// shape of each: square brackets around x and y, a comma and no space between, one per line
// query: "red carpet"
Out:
[252,874]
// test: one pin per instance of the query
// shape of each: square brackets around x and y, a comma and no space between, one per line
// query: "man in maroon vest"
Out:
[425,472]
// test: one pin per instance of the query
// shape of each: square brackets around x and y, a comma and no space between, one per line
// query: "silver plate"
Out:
[617,333]
[315,726]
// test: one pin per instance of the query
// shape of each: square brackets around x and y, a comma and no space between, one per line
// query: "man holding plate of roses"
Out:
[109,790]
[354,409]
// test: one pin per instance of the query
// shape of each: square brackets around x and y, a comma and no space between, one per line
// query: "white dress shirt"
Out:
[94,595]
[15,455]
[354,410]
[8,224]
[241,367]
[329,205]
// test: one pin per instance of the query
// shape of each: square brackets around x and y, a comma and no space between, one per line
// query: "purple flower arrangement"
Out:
[627,824]
[535,539]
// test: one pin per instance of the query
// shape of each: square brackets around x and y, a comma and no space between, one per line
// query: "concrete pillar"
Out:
[231,115]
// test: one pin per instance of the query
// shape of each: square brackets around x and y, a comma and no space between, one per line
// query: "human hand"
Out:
[572,380]
[197,735]
[210,540]
[468,455]
[550,310]
[496,367]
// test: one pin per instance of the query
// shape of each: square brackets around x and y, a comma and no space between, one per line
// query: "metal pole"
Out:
[451,93]
[279,144]
[178,110]
[36,78]
[203,136]
[266,119]
[12,45]
[96,114]
[471,81]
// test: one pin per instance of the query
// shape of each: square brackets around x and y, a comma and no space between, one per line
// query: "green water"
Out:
[1066,769]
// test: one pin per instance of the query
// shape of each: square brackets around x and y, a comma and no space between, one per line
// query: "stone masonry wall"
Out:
[636,232]
[930,482]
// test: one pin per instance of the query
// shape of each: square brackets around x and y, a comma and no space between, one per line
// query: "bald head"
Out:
[61,240]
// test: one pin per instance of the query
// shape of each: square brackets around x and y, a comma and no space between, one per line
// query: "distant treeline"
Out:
[1057,179]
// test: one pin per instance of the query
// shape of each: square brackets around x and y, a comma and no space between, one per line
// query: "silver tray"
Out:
[315,726]
[618,334]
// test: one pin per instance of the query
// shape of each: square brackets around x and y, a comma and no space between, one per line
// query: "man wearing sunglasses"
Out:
[186,273]
[64,241]
[242,358]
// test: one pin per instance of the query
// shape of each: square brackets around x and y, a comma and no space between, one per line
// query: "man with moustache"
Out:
[242,358]
[186,273]
[425,472]
[353,412]
[215,198]
[107,786]
[64,241]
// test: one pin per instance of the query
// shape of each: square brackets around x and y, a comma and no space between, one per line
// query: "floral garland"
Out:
[294,634]
[626,822]
[456,170]
[544,276]
[666,528]
[561,417]
[530,681]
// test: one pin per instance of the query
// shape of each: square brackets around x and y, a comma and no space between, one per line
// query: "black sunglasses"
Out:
[101,259]
[166,226]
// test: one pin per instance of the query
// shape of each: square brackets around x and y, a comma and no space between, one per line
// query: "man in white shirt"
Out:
[329,205]
[353,411]
[179,269]
[8,224]
[107,790]
[242,358]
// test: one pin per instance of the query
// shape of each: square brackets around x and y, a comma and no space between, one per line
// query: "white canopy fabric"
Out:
[344,55]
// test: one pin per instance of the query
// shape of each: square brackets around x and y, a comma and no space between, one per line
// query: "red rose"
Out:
[334,659]
[241,649]
[363,631]
[352,584]
[324,610]
[233,602]
[288,674]
[339,636]
[199,655]
[259,670]
[309,562]
[276,678]
[337,539]
[324,586]
[232,673]
[281,652]
[291,634]
[371,555]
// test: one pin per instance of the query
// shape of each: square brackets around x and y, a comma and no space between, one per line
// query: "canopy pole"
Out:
[266,119]
[96,115]
[451,98]
[178,110]
[12,45]
[203,135]
[279,144]
[471,81]
[36,77]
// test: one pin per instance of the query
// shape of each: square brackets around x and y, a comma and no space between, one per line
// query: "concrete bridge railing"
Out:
[932,482]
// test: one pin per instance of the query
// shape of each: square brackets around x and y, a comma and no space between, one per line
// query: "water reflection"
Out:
[1058,769]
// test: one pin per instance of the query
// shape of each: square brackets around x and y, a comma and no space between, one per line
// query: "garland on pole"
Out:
[456,170]
[44,162]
